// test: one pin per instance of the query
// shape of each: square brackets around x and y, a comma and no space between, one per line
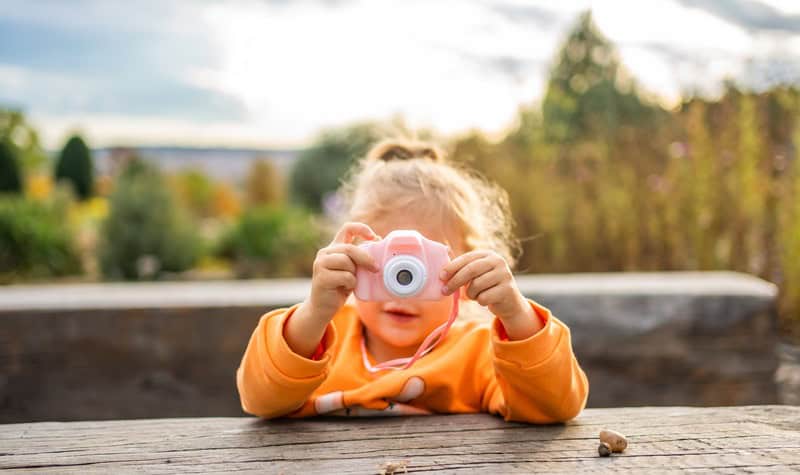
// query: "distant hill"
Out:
[227,164]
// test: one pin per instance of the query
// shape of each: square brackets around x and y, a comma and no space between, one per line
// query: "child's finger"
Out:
[339,278]
[350,230]
[491,295]
[467,273]
[359,256]
[456,264]
[339,261]
[484,282]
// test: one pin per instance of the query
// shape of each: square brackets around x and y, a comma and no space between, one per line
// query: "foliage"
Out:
[196,192]
[601,181]
[39,186]
[10,181]
[226,202]
[272,242]
[589,94]
[264,185]
[75,167]
[35,241]
[319,169]
[716,190]
[15,129]
[145,234]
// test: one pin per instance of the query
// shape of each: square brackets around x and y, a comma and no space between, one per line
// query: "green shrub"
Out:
[319,169]
[196,192]
[272,242]
[10,181]
[35,242]
[145,234]
[75,166]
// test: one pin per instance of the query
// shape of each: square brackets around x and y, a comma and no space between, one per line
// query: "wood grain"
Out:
[664,439]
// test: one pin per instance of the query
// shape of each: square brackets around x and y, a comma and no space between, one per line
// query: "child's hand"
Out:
[333,279]
[334,274]
[491,284]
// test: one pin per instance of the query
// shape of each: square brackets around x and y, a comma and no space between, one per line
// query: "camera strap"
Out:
[435,337]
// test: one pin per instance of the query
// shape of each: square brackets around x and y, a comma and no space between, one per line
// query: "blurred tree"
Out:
[589,93]
[15,129]
[226,202]
[789,232]
[10,181]
[75,167]
[196,191]
[145,234]
[752,187]
[319,169]
[264,184]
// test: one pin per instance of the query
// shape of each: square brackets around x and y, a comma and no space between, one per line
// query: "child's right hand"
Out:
[334,275]
[333,279]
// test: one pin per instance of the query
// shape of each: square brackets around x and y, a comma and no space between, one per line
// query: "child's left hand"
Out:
[491,284]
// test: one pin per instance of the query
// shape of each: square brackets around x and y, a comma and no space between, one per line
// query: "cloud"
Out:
[279,70]
[104,64]
[749,14]
[326,3]
[525,13]
[512,67]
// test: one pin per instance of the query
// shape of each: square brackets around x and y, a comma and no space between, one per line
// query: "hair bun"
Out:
[390,150]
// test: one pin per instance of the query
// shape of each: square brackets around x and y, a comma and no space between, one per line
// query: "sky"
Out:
[273,73]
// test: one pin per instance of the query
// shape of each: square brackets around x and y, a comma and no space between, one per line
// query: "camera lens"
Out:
[404,277]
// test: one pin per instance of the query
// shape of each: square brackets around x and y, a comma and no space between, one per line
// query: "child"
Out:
[320,356]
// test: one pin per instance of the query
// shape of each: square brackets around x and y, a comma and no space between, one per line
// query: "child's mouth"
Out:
[400,314]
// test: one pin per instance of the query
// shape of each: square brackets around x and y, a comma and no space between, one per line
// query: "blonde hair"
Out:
[400,173]
[396,173]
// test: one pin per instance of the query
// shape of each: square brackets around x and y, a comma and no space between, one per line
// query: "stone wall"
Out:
[117,351]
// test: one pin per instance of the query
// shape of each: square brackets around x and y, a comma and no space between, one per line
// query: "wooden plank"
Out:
[729,439]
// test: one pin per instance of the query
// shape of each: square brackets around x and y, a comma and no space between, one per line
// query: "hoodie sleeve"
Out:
[538,379]
[272,379]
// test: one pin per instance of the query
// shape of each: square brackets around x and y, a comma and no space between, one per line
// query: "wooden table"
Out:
[720,440]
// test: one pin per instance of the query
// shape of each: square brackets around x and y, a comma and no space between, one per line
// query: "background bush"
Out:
[319,169]
[272,242]
[146,234]
[35,241]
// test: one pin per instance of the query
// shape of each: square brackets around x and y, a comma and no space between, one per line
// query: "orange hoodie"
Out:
[474,369]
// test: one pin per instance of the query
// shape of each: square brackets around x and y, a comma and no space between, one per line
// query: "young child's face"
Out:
[404,323]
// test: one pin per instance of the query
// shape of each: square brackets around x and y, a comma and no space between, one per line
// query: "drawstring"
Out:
[426,346]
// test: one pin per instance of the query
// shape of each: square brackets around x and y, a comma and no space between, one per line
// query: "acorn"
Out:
[616,441]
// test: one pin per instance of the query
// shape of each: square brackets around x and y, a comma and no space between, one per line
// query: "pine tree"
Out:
[75,166]
[589,94]
[10,181]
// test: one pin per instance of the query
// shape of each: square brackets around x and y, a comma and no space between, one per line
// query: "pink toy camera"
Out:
[409,268]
